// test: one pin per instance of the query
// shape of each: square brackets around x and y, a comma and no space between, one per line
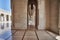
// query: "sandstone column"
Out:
[42,17]
[9,17]
[47,11]
[20,14]
[5,19]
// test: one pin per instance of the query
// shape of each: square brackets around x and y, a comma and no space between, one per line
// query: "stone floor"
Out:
[31,35]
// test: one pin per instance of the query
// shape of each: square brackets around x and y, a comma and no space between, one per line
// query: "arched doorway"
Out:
[32,15]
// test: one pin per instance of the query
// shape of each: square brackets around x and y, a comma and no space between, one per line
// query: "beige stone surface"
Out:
[47,11]
[42,35]
[30,35]
[52,34]
[18,35]
[54,16]
[52,13]
[42,16]
[47,19]
[20,14]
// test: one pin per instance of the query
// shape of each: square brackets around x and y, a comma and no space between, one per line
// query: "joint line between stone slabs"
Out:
[36,35]
[24,35]
[50,35]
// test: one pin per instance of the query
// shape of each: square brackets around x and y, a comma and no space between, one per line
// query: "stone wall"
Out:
[54,16]
[47,11]
[42,17]
[20,14]
[48,14]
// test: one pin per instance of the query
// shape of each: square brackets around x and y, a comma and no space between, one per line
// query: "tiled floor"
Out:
[43,35]
[28,34]
[31,35]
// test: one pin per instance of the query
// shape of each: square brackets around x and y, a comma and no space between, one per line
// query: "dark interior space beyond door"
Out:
[32,16]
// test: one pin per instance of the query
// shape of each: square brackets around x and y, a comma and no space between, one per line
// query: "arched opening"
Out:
[2,17]
[32,15]
[7,17]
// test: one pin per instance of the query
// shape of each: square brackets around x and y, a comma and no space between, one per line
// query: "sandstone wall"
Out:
[42,16]
[54,16]
[47,9]
[48,14]
[20,14]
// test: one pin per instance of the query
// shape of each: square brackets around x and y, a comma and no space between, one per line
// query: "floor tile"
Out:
[42,35]
[30,35]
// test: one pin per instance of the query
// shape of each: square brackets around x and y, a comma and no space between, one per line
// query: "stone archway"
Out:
[19,14]
[19,21]
[32,14]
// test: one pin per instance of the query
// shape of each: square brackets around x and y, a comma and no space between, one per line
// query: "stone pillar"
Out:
[2,17]
[20,14]
[54,16]
[47,11]
[5,18]
[42,17]
[9,17]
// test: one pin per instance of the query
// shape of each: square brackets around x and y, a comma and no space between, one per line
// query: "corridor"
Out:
[32,35]
[30,20]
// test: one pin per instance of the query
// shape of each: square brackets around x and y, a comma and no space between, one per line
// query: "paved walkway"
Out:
[32,35]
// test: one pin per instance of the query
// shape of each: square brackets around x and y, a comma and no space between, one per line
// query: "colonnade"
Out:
[5,17]
[5,21]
